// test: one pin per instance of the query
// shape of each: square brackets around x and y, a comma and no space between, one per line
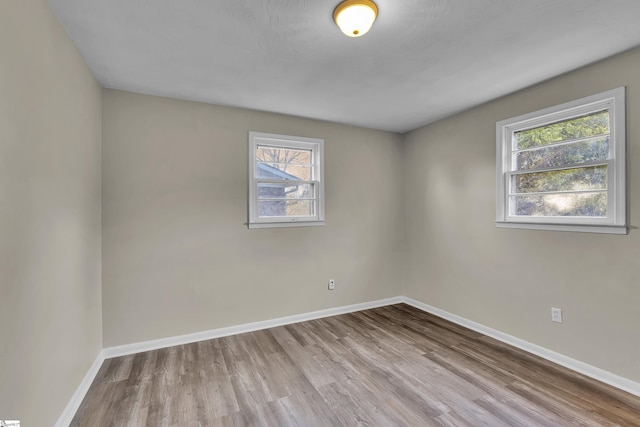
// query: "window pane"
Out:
[563,155]
[289,156]
[579,179]
[592,124]
[271,208]
[289,172]
[582,204]
[285,191]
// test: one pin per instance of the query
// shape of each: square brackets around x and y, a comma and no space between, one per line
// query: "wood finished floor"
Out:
[390,366]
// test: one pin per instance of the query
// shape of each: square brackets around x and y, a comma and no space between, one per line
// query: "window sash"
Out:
[271,218]
[562,219]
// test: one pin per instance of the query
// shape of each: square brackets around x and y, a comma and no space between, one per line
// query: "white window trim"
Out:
[615,222]
[294,142]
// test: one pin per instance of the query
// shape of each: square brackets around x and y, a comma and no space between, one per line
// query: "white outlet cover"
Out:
[556,315]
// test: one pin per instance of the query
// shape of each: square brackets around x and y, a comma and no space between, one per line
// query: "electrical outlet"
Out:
[332,284]
[556,315]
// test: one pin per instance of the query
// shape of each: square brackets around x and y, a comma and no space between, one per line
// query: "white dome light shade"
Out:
[355,17]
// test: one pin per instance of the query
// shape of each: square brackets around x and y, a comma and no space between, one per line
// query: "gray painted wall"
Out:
[177,255]
[457,260]
[50,299]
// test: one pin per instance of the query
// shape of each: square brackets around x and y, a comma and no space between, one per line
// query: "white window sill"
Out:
[603,229]
[286,224]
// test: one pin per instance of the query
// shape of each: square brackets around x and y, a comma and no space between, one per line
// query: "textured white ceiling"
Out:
[422,60]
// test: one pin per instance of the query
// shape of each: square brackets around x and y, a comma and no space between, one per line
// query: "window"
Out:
[563,168]
[285,181]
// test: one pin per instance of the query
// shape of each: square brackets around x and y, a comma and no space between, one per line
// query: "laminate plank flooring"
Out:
[389,366]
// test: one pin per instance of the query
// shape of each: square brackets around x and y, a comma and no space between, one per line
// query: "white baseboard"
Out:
[75,401]
[573,364]
[127,349]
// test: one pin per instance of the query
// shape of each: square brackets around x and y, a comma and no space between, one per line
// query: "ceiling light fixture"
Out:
[355,17]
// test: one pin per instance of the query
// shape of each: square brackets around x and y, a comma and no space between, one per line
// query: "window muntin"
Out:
[564,166]
[285,181]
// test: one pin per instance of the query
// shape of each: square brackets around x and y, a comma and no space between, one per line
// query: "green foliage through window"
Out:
[591,150]
[586,126]
[579,179]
